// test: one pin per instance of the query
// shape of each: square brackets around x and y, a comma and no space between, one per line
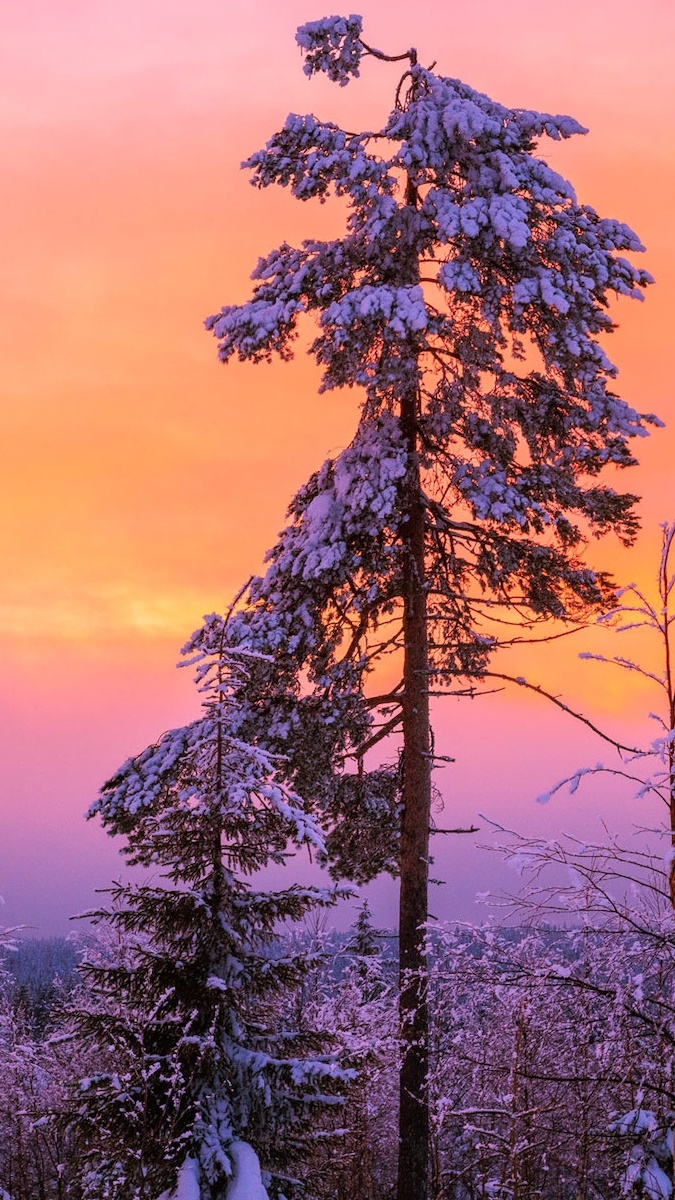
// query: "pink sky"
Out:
[142,481]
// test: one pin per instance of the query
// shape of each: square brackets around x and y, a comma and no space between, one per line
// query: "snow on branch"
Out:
[332,45]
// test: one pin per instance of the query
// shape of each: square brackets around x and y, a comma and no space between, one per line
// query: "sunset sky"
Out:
[142,481]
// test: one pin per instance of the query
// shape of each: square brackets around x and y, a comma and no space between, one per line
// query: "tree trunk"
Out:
[413,1164]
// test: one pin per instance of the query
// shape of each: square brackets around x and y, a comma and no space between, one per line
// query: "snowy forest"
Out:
[210,1037]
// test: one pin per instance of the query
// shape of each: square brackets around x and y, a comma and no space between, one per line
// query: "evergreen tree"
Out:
[466,300]
[364,940]
[203,1070]
[357,1001]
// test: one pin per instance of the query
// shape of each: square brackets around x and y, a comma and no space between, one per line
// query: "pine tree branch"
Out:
[376,738]
[540,691]
[469,829]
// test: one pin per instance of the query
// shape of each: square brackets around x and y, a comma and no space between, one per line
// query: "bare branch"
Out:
[540,691]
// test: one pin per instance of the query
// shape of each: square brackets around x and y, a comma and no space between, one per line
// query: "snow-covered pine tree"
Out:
[466,300]
[198,1056]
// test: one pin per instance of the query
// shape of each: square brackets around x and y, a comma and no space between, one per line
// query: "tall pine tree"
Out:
[466,300]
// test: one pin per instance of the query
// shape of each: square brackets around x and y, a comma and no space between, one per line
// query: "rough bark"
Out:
[413,1170]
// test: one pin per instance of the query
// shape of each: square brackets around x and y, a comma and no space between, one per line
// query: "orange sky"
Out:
[141,480]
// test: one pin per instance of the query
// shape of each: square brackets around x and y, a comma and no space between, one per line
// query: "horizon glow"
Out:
[142,481]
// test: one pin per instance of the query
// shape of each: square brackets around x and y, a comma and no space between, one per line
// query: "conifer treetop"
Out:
[471,286]
[493,270]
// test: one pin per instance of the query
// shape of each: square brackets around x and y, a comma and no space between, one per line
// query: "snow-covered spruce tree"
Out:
[361,1007]
[465,299]
[354,996]
[203,1070]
